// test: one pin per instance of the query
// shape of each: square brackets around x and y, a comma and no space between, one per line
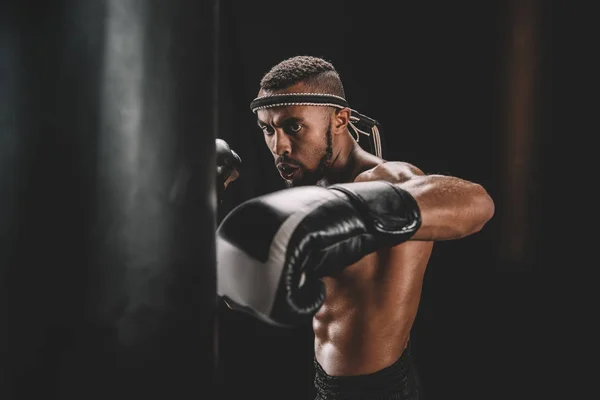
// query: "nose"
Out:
[280,143]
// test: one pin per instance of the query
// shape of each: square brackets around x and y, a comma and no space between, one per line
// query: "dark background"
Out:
[459,88]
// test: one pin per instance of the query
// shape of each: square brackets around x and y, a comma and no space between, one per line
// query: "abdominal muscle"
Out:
[364,324]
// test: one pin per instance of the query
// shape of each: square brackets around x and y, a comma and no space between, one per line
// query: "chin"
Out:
[304,178]
[300,182]
[292,183]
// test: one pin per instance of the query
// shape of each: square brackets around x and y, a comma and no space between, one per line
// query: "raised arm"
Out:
[451,208]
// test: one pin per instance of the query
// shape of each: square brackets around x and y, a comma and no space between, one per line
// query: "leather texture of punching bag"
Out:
[107,199]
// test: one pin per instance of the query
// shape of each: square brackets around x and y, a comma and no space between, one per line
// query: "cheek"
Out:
[310,154]
[269,143]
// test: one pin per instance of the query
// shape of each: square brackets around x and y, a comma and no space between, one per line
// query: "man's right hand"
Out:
[273,250]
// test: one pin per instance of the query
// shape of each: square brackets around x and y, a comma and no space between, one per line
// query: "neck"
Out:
[346,163]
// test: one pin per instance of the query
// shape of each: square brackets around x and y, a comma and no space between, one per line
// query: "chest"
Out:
[380,274]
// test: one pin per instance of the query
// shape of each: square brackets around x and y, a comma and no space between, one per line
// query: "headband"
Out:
[323,99]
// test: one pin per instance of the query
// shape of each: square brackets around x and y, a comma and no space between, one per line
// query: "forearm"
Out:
[451,208]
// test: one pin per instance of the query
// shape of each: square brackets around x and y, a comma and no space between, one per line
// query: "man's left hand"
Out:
[228,167]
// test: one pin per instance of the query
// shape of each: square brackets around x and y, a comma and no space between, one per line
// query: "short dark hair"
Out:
[318,74]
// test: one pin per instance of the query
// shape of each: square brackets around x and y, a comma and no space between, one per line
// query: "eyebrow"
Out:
[283,122]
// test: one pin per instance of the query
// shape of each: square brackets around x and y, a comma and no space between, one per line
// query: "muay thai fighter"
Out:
[347,244]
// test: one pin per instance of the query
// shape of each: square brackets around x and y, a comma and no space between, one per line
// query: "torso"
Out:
[364,324]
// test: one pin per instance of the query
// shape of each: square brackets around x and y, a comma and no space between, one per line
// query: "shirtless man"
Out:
[347,243]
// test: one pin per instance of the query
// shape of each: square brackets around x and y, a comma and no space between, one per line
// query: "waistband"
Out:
[399,381]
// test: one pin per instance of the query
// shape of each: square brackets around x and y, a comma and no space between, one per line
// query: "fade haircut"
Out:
[319,75]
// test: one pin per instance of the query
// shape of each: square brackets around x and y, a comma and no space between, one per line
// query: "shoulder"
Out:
[391,171]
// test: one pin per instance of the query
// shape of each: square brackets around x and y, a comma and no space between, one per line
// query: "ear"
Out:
[340,120]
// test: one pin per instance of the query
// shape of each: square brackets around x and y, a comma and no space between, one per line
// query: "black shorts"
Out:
[399,381]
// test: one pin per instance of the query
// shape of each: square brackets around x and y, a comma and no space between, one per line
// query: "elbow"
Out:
[486,205]
[483,209]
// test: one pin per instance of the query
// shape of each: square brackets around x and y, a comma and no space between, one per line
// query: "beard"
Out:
[311,178]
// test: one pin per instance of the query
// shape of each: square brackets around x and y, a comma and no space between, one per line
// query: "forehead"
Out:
[303,113]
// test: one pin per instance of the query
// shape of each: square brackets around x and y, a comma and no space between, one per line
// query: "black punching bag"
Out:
[107,199]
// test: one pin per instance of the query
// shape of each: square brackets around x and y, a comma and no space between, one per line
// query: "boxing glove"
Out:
[228,165]
[273,250]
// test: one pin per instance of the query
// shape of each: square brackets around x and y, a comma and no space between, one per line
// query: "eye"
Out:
[267,130]
[294,128]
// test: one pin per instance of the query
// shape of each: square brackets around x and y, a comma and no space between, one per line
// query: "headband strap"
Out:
[323,99]
[297,99]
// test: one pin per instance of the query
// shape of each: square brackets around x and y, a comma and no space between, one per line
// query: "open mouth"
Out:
[287,171]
